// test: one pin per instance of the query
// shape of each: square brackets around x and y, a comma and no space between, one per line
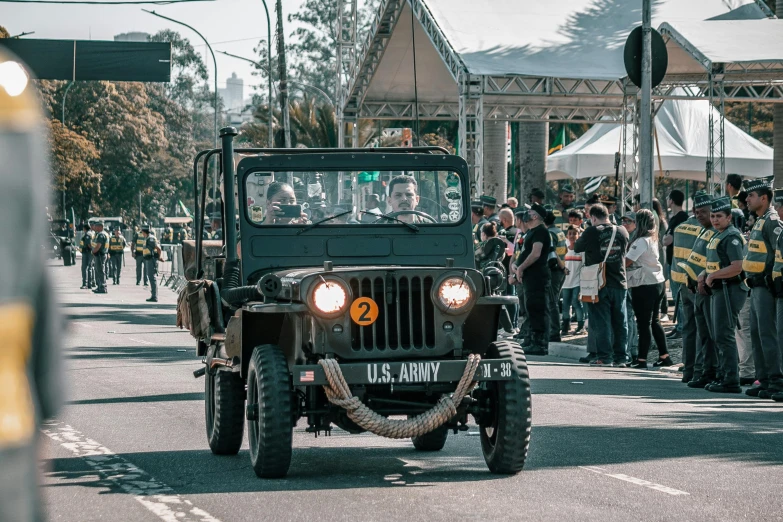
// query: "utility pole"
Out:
[62,120]
[270,139]
[281,66]
[645,125]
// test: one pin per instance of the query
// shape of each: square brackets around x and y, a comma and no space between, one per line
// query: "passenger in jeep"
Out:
[277,194]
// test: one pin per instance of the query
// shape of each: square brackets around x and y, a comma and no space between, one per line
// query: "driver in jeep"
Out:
[404,197]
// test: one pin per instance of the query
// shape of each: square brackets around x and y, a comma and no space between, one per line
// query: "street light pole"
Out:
[62,120]
[270,138]
[645,124]
[214,62]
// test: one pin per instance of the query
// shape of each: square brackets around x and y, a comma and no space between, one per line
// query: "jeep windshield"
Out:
[393,198]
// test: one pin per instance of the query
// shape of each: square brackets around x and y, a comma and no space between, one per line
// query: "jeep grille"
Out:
[406,314]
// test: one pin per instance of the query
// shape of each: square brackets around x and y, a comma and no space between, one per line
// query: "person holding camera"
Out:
[280,198]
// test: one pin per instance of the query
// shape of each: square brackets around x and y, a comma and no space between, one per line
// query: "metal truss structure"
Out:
[347,20]
[521,98]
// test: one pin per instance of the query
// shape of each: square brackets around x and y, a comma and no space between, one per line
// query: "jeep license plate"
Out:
[408,372]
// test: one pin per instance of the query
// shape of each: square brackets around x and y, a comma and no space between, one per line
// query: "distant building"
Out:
[132,37]
[234,94]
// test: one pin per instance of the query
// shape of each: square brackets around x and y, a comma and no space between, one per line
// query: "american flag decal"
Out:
[307,376]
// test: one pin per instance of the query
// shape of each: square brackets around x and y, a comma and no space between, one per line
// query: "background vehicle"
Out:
[345,322]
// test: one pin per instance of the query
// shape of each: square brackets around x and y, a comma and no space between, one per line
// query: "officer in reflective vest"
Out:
[100,247]
[758,265]
[151,253]
[556,263]
[138,255]
[561,209]
[724,276]
[85,247]
[705,363]
[683,239]
[116,249]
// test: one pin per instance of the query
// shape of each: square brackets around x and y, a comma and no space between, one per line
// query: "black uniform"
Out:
[536,280]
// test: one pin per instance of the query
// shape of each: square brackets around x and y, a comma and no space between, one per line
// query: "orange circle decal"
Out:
[364,311]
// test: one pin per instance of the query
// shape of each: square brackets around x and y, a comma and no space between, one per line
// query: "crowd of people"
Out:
[585,263]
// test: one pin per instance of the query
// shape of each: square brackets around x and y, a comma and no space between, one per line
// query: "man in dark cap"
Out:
[561,209]
[100,247]
[533,271]
[478,219]
[138,256]
[372,204]
[610,202]
[757,265]
[151,257]
[490,206]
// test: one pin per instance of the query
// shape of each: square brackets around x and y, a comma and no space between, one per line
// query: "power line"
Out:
[98,2]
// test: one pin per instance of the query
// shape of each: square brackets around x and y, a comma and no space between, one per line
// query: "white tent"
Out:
[682,128]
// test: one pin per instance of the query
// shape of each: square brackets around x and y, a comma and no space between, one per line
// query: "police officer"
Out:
[534,273]
[85,247]
[561,209]
[116,251]
[138,255]
[758,266]
[684,237]
[151,254]
[490,205]
[777,289]
[556,263]
[705,362]
[100,247]
[30,370]
[724,277]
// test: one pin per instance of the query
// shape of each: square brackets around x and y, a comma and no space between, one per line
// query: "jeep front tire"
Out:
[224,405]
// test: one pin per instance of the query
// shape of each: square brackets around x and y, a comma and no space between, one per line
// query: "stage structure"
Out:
[516,61]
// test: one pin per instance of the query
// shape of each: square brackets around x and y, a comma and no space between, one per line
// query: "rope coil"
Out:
[339,394]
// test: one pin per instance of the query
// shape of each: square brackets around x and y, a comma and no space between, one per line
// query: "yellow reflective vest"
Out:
[697,260]
[761,244]
[558,241]
[715,257]
[684,237]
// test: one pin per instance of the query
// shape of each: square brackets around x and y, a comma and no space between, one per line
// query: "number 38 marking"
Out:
[505,369]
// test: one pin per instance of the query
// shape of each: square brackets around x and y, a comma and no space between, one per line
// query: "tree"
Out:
[72,160]
[4,32]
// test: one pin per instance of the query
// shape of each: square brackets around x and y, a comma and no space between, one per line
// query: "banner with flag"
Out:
[560,141]
[184,209]
[593,184]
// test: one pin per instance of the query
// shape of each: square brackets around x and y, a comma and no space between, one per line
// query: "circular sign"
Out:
[632,56]
[364,311]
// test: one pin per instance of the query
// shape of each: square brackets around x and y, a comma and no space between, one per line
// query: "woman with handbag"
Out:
[646,281]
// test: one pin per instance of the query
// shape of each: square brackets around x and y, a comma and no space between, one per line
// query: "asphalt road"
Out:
[607,444]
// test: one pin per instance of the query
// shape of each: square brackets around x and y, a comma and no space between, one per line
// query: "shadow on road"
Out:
[196,396]
[135,353]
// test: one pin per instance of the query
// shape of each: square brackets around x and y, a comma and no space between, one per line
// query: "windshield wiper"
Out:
[392,218]
[324,220]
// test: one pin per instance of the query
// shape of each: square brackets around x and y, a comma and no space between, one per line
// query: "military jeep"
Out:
[346,295]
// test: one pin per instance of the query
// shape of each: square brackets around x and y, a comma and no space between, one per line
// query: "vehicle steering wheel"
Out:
[406,212]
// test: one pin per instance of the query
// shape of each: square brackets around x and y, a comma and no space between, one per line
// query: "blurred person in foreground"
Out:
[30,389]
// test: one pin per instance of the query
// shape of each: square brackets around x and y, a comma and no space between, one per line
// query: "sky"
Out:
[234,26]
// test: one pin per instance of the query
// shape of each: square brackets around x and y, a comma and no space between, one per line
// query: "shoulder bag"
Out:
[593,277]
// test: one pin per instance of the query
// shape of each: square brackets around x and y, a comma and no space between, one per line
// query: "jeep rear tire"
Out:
[224,405]
[67,256]
[432,441]
[269,394]
[505,431]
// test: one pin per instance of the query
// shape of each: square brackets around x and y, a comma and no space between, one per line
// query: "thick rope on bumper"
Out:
[339,394]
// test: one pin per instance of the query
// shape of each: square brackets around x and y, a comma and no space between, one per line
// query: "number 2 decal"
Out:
[364,311]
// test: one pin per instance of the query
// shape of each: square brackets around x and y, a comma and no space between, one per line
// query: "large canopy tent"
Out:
[682,145]
[521,60]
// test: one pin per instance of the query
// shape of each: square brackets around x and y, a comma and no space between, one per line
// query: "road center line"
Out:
[634,480]
[157,497]
[140,341]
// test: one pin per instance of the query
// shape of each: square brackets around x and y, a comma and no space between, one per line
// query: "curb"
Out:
[567,351]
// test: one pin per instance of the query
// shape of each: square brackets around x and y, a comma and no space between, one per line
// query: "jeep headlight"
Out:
[330,297]
[454,293]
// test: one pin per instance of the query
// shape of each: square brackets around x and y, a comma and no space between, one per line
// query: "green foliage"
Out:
[126,139]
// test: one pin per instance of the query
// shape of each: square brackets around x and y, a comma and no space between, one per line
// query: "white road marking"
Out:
[157,497]
[140,341]
[83,324]
[634,480]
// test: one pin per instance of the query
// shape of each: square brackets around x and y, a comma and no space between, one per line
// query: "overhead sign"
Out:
[84,60]
[632,56]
